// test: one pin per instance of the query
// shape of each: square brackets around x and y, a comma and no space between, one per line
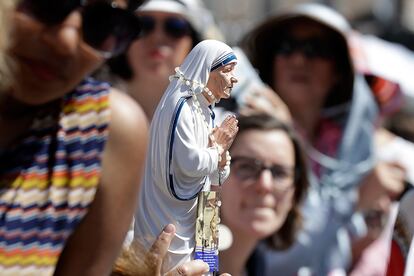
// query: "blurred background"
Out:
[387,28]
[391,20]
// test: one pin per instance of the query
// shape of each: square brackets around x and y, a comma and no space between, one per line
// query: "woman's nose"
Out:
[298,57]
[65,37]
[264,182]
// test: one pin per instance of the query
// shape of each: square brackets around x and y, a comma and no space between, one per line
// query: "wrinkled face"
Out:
[50,60]
[162,47]
[221,81]
[256,201]
[303,70]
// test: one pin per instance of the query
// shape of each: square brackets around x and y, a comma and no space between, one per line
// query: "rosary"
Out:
[195,87]
[208,204]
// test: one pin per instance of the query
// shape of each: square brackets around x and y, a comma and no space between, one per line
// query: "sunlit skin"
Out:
[302,82]
[153,59]
[50,60]
[221,82]
[257,208]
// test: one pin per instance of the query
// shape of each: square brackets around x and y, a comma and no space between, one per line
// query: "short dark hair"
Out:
[285,236]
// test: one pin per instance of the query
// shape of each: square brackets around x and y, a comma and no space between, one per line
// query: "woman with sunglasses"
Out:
[303,55]
[71,148]
[263,194]
[170,29]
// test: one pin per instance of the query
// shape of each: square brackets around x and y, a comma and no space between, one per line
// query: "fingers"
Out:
[227,137]
[192,268]
[383,184]
[158,251]
[227,128]
[156,254]
[392,176]
[397,168]
[229,119]
[230,122]
[225,133]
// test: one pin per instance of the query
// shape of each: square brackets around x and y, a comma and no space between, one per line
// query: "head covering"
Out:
[345,154]
[321,14]
[194,11]
[184,93]
[248,81]
[258,44]
[180,162]
[205,57]
[200,18]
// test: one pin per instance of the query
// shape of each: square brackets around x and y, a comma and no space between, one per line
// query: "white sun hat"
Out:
[199,17]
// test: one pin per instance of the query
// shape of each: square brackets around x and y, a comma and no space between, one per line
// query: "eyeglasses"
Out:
[311,47]
[105,27]
[173,26]
[250,169]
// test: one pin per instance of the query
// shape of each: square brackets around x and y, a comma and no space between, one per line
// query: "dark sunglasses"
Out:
[311,48]
[105,27]
[246,168]
[173,26]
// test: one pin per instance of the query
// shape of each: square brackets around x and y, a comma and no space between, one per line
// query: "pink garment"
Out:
[374,259]
[328,140]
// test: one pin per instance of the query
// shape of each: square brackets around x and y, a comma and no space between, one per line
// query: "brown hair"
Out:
[285,236]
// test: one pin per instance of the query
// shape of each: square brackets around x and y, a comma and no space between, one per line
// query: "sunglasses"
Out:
[105,27]
[311,48]
[250,169]
[173,26]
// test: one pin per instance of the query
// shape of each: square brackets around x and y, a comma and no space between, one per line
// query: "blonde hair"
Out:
[5,61]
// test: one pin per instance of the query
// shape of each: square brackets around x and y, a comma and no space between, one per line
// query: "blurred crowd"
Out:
[116,114]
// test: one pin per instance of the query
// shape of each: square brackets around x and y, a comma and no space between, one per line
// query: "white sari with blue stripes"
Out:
[179,162]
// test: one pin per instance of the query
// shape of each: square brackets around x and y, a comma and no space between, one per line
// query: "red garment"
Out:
[402,237]
[387,94]
[396,263]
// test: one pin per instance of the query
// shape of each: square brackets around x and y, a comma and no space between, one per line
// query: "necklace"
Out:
[196,88]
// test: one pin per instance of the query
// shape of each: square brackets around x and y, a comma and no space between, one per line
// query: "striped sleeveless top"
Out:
[49,179]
